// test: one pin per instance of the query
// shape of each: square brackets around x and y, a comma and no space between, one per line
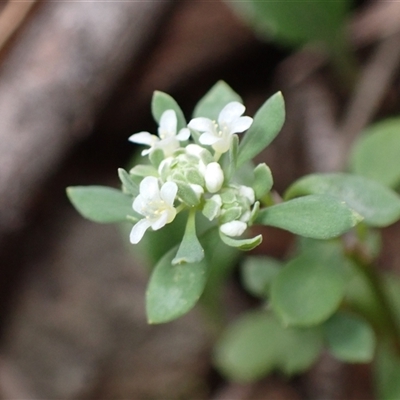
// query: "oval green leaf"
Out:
[258,344]
[295,22]
[241,244]
[162,102]
[267,123]
[215,100]
[190,249]
[376,153]
[379,205]
[308,290]
[263,180]
[313,216]
[173,290]
[258,273]
[350,338]
[129,186]
[101,203]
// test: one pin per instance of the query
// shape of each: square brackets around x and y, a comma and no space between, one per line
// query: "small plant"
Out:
[192,201]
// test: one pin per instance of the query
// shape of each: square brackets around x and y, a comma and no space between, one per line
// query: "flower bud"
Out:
[214,177]
[233,228]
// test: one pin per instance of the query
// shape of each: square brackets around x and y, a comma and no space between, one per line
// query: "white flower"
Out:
[155,204]
[214,177]
[233,228]
[219,135]
[167,139]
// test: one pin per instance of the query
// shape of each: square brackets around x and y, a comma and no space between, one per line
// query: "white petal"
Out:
[168,145]
[143,138]
[202,124]
[168,192]
[230,112]
[183,134]
[241,124]
[233,228]
[138,231]
[160,221]
[168,123]
[214,177]
[208,138]
[194,150]
[223,145]
[139,204]
[149,188]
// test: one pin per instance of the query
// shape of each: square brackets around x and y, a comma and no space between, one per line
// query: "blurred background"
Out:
[76,80]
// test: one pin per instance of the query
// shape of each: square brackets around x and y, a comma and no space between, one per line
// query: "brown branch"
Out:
[54,81]
[12,17]
[372,86]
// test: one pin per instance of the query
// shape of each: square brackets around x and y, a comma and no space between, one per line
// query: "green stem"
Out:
[377,285]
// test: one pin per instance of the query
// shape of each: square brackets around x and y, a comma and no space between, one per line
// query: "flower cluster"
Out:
[188,170]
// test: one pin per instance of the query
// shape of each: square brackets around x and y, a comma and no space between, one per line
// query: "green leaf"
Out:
[309,289]
[100,203]
[376,153]
[379,205]
[173,290]
[258,273]
[215,100]
[187,194]
[128,185]
[314,216]
[155,244]
[295,22]
[263,180]
[156,157]
[190,250]
[387,372]
[162,102]
[257,344]
[267,123]
[350,338]
[242,244]
[143,170]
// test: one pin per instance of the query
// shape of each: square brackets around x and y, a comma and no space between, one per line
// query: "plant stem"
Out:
[378,286]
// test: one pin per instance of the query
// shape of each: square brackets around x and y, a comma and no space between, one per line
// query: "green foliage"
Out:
[190,250]
[350,338]
[377,204]
[267,123]
[296,22]
[195,200]
[242,244]
[387,372]
[100,203]
[161,102]
[215,100]
[257,344]
[376,153]
[129,186]
[315,216]
[173,290]
[263,180]
[310,287]
[258,273]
